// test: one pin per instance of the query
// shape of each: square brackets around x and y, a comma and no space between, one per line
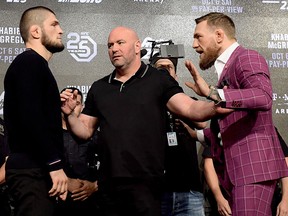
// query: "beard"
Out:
[209,58]
[51,46]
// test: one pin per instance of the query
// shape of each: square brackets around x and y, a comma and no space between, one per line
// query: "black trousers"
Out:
[5,207]
[29,191]
[88,207]
[131,197]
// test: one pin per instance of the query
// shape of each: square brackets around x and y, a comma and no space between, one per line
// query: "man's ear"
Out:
[35,31]
[138,46]
[219,35]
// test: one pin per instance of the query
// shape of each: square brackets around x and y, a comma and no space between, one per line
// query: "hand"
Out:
[282,208]
[179,125]
[69,100]
[190,130]
[73,184]
[86,190]
[224,207]
[60,184]
[200,86]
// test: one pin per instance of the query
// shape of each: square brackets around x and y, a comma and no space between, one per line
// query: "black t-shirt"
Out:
[132,121]
[81,157]
[182,171]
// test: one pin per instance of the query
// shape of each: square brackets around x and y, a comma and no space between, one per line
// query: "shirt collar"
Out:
[227,53]
[224,57]
[140,73]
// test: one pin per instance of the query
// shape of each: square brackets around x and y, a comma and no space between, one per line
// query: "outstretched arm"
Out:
[187,108]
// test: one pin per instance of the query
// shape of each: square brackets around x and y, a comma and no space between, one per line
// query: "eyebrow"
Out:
[196,35]
[55,22]
[112,43]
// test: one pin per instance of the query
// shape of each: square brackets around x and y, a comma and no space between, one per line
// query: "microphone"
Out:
[143,52]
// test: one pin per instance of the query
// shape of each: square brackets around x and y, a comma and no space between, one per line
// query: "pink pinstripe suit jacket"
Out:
[251,147]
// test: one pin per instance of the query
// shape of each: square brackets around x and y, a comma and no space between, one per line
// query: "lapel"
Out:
[225,76]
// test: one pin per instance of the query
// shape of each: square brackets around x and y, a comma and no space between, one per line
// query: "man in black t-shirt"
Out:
[129,105]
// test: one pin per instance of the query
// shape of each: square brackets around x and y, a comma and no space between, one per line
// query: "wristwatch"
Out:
[214,95]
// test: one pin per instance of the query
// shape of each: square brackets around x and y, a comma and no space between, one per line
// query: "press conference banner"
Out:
[260,25]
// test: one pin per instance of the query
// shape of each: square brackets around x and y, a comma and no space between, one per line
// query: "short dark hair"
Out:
[32,16]
[219,20]
[73,89]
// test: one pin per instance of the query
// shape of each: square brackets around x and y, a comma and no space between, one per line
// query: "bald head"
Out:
[33,16]
[124,49]
[125,31]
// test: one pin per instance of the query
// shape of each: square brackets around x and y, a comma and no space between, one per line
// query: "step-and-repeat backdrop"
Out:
[261,25]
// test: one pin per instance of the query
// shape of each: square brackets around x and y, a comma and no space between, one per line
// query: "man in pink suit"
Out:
[254,159]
